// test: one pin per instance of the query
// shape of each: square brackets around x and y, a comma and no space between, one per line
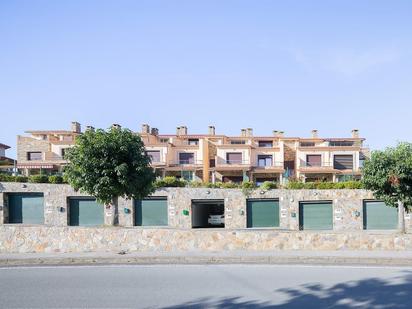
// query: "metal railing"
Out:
[272,164]
[315,164]
[187,162]
[221,161]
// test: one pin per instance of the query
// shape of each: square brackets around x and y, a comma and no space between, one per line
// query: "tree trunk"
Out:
[401,216]
[111,213]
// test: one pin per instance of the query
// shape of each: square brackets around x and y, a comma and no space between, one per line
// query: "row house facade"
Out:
[213,157]
[6,163]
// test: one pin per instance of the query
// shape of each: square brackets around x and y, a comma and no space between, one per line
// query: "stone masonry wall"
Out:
[56,236]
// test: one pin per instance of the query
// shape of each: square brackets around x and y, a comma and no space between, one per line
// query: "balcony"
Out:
[183,164]
[316,167]
[231,164]
[52,156]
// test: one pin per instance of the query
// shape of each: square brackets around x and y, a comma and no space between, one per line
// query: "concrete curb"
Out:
[188,260]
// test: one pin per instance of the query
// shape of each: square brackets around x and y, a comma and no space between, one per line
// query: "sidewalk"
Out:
[377,258]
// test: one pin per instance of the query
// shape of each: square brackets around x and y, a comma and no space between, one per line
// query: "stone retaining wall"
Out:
[23,239]
[56,236]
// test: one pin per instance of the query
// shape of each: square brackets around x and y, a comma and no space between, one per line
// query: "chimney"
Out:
[145,128]
[155,131]
[76,128]
[116,126]
[212,130]
[278,133]
[355,133]
[183,130]
[90,128]
[314,133]
[243,132]
[249,132]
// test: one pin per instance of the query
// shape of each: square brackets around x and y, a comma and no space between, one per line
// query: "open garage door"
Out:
[208,214]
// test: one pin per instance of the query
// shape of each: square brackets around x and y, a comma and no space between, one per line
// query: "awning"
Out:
[36,166]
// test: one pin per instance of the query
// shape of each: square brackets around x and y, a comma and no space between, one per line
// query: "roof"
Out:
[45,132]
[4,146]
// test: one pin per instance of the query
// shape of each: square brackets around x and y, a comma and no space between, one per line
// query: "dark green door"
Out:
[151,212]
[262,213]
[86,212]
[378,216]
[27,208]
[316,216]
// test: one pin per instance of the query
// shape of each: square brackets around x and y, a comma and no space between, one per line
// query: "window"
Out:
[186,158]
[307,144]
[266,144]
[341,143]
[164,140]
[343,162]
[313,160]
[63,152]
[34,156]
[234,158]
[188,175]
[238,142]
[193,141]
[67,138]
[264,160]
[154,155]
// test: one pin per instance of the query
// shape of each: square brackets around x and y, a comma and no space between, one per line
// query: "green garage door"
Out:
[262,213]
[316,216]
[27,208]
[86,212]
[378,216]
[151,212]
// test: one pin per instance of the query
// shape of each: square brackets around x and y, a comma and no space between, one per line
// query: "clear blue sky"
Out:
[285,65]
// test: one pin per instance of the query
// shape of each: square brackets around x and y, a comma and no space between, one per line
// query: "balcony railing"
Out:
[221,161]
[306,164]
[186,162]
[272,164]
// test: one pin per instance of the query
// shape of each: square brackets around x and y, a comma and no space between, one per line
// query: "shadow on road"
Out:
[369,293]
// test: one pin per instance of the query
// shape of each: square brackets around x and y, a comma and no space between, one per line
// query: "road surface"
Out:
[206,286]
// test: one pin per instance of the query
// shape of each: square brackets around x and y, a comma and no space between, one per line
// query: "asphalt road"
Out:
[206,286]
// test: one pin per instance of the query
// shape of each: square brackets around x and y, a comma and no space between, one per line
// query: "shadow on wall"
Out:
[368,293]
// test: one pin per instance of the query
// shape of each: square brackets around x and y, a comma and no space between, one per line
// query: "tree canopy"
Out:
[110,164]
[388,174]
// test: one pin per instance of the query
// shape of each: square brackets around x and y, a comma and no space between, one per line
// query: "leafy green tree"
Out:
[110,164]
[388,174]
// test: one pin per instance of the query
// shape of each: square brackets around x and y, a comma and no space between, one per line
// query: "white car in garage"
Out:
[216,219]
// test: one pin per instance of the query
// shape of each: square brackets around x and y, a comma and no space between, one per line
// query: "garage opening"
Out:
[26,208]
[208,214]
[316,215]
[378,216]
[85,211]
[151,212]
[262,213]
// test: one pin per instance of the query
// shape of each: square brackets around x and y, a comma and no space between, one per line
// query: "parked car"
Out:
[216,220]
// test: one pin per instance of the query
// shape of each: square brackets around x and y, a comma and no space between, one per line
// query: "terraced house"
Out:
[212,157]
[215,157]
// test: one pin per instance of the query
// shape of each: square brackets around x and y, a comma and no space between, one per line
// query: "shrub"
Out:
[269,185]
[295,185]
[55,179]
[39,179]
[196,184]
[228,185]
[212,185]
[326,185]
[248,185]
[169,181]
[20,179]
[353,185]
